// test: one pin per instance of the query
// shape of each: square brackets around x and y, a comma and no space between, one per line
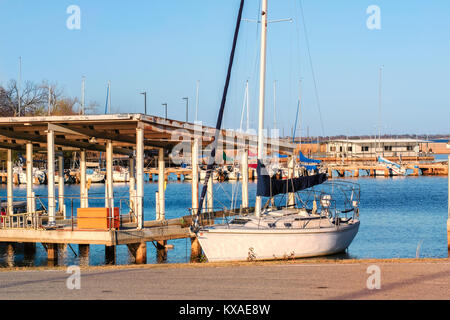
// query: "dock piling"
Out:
[110,254]
[83,251]
[161,251]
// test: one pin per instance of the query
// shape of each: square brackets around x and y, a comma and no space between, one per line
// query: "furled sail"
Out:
[270,186]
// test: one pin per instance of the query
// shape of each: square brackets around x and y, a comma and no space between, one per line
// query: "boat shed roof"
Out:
[91,132]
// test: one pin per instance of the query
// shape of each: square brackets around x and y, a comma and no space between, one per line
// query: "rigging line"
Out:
[312,68]
[211,160]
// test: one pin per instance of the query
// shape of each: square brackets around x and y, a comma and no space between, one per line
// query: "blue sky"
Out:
[164,47]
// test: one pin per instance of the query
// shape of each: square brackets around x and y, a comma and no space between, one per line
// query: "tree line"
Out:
[38,99]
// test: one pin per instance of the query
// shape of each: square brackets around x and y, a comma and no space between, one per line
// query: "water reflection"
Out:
[396,214]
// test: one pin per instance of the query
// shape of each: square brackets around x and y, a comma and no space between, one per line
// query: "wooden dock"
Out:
[354,170]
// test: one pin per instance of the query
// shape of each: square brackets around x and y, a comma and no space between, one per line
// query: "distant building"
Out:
[355,148]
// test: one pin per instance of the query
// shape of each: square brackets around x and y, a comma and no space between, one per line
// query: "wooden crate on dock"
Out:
[97,218]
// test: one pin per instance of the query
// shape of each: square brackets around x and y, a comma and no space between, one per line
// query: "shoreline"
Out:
[234,264]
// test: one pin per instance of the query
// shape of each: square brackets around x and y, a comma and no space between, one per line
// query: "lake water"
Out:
[398,216]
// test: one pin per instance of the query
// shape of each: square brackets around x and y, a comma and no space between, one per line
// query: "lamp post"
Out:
[165,105]
[145,101]
[187,108]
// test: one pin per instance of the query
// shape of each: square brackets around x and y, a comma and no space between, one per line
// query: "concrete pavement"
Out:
[408,279]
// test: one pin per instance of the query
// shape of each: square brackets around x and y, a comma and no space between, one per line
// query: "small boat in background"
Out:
[121,175]
[95,176]
[395,169]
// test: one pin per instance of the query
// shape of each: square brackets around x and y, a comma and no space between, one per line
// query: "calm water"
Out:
[398,215]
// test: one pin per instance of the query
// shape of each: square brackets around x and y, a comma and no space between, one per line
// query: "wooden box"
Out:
[98,218]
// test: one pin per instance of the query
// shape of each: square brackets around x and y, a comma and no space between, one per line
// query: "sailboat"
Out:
[317,223]
[394,168]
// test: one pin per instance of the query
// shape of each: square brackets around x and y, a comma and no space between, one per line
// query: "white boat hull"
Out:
[238,245]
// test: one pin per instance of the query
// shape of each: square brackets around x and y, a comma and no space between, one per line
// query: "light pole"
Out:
[165,105]
[145,101]
[187,108]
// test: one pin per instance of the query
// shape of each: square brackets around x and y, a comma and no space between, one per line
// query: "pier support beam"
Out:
[83,251]
[109,175]
[9,181]
[61,207]
[194,162]
[52,253]
[30,199]
[196,250]
[139,252]
[291,196]
[139,177]
[110,254]
[244,173]
[51,176]
[161,251]
[161,182]
[29,251]
[132,187]
[210,195]
[84,203]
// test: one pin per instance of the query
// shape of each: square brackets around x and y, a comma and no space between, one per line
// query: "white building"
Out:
[362,148]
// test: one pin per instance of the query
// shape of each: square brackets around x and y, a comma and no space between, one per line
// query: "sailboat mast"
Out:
[262,87]
[275,105]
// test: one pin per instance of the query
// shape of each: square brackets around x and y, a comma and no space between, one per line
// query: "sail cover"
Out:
[307,160]
[270,186]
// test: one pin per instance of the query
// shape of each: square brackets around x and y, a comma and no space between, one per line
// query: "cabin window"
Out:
[332,148]
[387,148]
[340,149]
[365,148]
[409,148]
[349,149]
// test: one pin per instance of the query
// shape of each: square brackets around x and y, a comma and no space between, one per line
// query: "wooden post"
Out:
[10,253]
[161,183]
[161,251]
[29,250]
[139,252]
[83,250]
[9,181]
[52,253]
[196,250]
[110,254]
[51,176]
[29,152]
[356,173]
